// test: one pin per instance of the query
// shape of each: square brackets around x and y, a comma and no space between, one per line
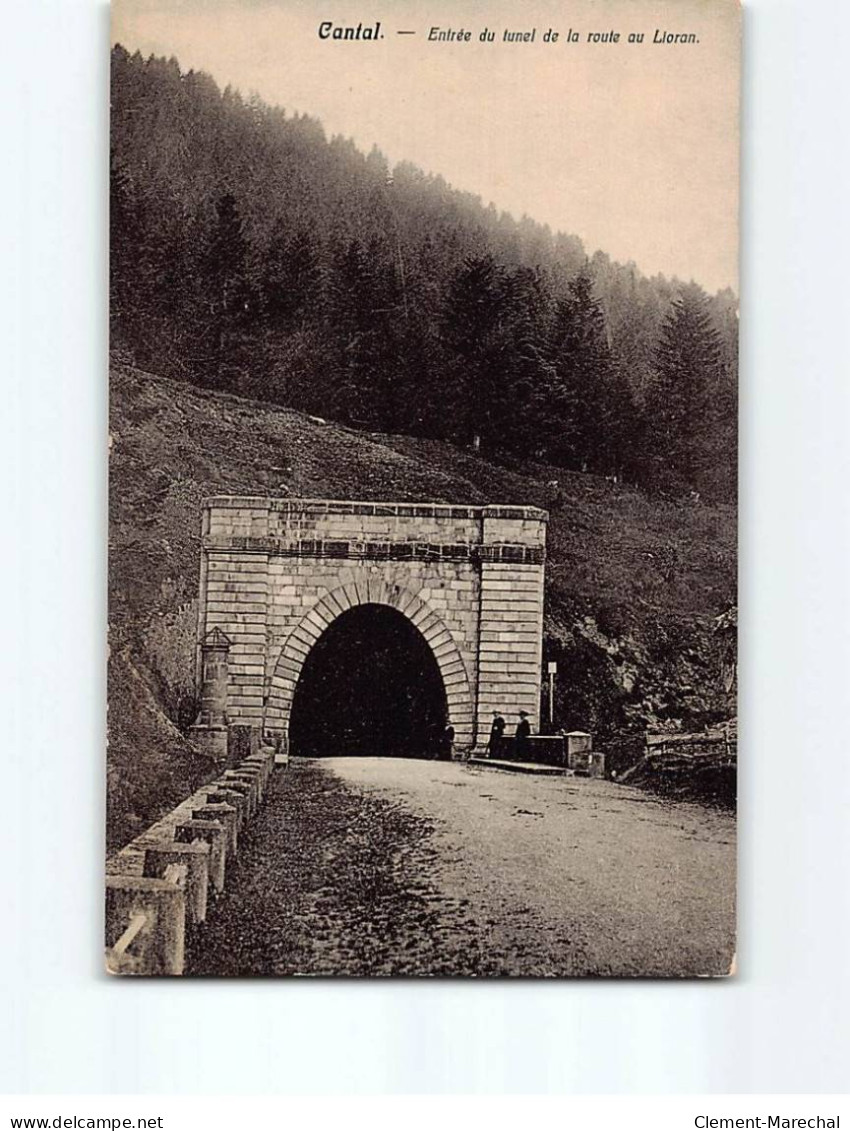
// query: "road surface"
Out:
[360,866]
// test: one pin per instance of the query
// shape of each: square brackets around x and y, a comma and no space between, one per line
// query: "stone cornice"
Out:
[400,510]
[355,550]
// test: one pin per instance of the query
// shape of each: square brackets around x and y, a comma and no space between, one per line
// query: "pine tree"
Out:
[290,281]
[231,301]
[363,324]
[527,369]
[680,410]
[586,393]
[474,327]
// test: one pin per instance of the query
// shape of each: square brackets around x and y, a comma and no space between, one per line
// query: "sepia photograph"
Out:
[423,398]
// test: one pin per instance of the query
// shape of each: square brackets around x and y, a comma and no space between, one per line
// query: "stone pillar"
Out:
[579,747]
[210,730]
[236,590]
[511,616]
[214,673]
[578,742]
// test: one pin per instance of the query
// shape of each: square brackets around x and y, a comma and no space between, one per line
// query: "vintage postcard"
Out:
[423,402]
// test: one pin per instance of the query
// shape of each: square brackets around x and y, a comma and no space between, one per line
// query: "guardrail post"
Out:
[215,835]
[226,815]
[196,857]
[160,946]
[218,794]
[249,776]
[256,772]
[243,788]
[265,759]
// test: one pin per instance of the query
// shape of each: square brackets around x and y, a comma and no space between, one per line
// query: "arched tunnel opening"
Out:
[370,686]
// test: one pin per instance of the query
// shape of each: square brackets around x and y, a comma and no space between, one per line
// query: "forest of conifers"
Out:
[252,255]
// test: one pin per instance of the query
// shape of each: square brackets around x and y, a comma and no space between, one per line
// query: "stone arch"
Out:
[297,646]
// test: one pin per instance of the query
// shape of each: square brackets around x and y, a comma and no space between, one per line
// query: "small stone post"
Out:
[210,730]
[579,745]
[242,741]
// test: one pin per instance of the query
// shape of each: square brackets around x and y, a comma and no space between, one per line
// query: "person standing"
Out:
[523,732]
[497,731]
[448,743]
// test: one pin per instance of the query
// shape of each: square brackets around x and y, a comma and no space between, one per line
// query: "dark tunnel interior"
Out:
[370,686]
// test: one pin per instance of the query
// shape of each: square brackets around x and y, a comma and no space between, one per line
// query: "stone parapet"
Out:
[162,883]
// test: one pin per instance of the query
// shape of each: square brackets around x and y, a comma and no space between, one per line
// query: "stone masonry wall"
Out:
[276,572]
[449,589]
[511,624]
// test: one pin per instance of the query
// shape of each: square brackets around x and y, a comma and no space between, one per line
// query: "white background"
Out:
[783,1024]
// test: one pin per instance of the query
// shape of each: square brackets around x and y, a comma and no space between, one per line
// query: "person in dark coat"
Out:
[497,732]
[448,743]
[523,732]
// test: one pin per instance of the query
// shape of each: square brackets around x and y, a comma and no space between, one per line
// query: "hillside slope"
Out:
[253,255]
[633,583]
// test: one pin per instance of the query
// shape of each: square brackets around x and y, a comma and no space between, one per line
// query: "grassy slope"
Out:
[632,582]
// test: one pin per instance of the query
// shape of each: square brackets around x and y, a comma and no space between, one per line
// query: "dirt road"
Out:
[399,867]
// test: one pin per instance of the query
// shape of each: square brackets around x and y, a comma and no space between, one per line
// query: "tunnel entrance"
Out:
[369,686]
